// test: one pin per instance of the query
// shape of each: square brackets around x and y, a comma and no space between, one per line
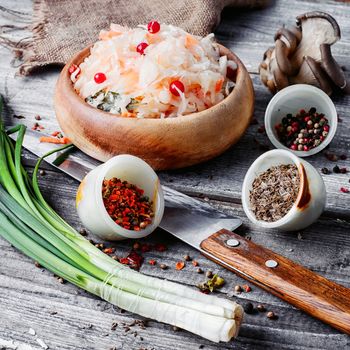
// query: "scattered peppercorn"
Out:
[163,266]
[199,270]
[246,288]
[83,232]
[37,117]
[60,280]
[344,190]
[325,171]
[195,263]
[114,326]
[271,315]
[209,274]
[126,204]
[37,264]
[42,172]
[152,262]
[304,131]
[343,170]
[248,308]
[336,169]
[175,329]
[261,308]
[187,257]
[238,289]
[343,157]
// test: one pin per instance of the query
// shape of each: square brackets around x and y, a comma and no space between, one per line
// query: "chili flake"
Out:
[127,205]
[180,265]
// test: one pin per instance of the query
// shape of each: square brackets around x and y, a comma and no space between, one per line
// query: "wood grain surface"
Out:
[67,318]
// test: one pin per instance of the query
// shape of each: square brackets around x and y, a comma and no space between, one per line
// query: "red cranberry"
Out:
[307,119]
[294,147]
[294,129]
[153,27]
[140,48]
[175,86]
[99,78]
[326,128]
[306,148]
[295,125]
[302,111]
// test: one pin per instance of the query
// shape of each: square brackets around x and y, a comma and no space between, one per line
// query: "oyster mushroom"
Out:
[302,54]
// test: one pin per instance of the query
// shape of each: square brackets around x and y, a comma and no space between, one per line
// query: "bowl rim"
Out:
[310,89]
[302,188]
[81,55]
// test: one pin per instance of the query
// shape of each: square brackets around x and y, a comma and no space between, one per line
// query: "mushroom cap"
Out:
[331,67]
[321,19]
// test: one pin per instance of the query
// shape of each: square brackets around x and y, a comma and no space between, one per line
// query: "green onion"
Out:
[32,226]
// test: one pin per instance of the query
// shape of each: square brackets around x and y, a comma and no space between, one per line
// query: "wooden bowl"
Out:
[163,143]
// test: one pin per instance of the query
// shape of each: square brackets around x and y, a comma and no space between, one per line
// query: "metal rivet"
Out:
[271,263]
[232,242]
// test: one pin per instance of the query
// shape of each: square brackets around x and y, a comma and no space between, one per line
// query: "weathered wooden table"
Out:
[65,317]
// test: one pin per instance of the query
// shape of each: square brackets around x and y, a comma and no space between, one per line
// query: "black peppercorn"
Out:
[336,169]
[248,308]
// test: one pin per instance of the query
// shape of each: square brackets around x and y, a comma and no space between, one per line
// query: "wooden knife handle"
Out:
[308,291]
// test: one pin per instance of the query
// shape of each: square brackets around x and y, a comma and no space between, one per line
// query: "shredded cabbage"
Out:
[142,81]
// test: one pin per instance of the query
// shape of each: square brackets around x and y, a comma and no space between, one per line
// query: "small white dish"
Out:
[290,100]
[89,202]
[311,197]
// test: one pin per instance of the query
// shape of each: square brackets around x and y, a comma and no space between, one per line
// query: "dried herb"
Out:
[212,284]
[274,192]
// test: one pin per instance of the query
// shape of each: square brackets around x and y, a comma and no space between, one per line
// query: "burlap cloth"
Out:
[60,28]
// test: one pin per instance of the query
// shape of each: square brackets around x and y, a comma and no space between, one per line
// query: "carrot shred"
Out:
[49,139]
[218,85]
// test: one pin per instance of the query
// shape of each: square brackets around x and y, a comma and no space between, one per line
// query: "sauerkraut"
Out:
[146,81]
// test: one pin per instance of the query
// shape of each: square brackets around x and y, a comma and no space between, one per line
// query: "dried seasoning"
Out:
[212,284]
[274,192]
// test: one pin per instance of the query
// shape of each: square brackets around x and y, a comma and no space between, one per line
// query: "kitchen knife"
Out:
[210,231]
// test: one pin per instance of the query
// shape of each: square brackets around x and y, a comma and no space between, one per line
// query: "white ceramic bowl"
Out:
[290,100]
[311,197]
[89,202]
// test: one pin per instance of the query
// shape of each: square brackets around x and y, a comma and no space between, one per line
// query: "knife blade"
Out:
[180,210]
[210,231]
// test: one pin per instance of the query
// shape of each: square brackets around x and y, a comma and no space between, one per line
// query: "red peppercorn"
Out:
[140,48]
[153,27]
[344,190]
[175,87]
[72,68]
[294,147]
[100,78]
[307,119]
[306,148]
[295,125]
[326,128]
[302,111]
[152,262]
